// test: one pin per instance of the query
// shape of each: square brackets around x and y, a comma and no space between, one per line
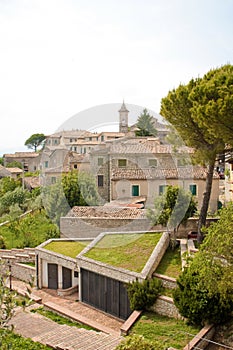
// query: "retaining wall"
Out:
[166,307]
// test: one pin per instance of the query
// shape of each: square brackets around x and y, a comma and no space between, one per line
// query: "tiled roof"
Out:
[136,145]
[22,155]
[15,170]
[195,172]
[106,212]
[32,181]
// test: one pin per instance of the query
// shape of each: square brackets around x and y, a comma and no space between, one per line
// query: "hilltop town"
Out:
[96,189]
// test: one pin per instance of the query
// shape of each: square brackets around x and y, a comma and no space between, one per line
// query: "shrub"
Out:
[196,303]
[142,295]
[2,243]
[136,342]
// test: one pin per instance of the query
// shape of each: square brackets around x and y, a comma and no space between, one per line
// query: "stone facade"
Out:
[165,306]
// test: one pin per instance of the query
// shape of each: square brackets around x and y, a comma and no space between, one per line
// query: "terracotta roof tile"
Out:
[106,212]
[161,173]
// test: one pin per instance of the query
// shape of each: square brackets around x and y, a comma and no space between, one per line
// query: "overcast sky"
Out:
[59,57]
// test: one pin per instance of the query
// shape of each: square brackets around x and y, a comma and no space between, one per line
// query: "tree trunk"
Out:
[206,199]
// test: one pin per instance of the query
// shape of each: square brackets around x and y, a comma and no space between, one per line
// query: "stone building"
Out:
[134,167]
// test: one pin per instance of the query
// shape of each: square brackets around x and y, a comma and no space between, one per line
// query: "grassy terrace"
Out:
[163,331]
[170,265]
[128,251]
[71,249]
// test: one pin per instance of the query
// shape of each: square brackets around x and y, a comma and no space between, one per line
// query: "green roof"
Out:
[128,251]
[67,248]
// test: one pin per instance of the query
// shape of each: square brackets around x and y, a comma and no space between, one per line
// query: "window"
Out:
[76,274]
[75,148]
[135,190]
[100,180]
[121,163]
[75,166]
[162,189]
[152,162]
[53,180]
[55,142]
[84,150]
[71,140]
[46,164]
[193,189]
[100,161]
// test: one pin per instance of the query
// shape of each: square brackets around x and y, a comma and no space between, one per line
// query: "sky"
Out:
[61,57]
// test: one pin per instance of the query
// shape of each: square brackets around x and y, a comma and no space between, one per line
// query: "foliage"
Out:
[7,302]
[17,196]
[2,243]
[80,189]
[34,141]
[31,230]
[8,184]
[205,288]
[12,341]
[14,164]
[136,342]
[1,161]
[172,208]
[145,125]
[142,295]
[54,202]
[201,112]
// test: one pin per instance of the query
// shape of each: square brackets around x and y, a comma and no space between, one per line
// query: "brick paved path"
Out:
[69,305]
[48,332]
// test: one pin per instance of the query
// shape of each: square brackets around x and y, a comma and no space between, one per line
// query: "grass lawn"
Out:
[164,331]
[10,340]
[60,319]
[170,264]
[128,251]
[71,249]
[30,231]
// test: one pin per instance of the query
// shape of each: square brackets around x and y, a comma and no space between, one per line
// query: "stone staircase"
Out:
[61,337]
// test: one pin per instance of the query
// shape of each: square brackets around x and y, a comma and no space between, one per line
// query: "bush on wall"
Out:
[142,295]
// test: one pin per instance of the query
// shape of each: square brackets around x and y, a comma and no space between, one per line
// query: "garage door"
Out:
[52,276]
[105,293]
[66,278]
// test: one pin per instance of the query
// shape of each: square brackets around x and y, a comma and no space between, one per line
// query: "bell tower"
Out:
[123,118]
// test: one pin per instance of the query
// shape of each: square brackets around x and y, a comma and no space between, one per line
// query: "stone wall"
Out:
[23,272]
[75,227]
[165,306]
[13,259]
[167,282]
[156,256]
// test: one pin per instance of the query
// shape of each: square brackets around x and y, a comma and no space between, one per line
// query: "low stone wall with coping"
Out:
[165,306]
[201,340]
[167,282]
